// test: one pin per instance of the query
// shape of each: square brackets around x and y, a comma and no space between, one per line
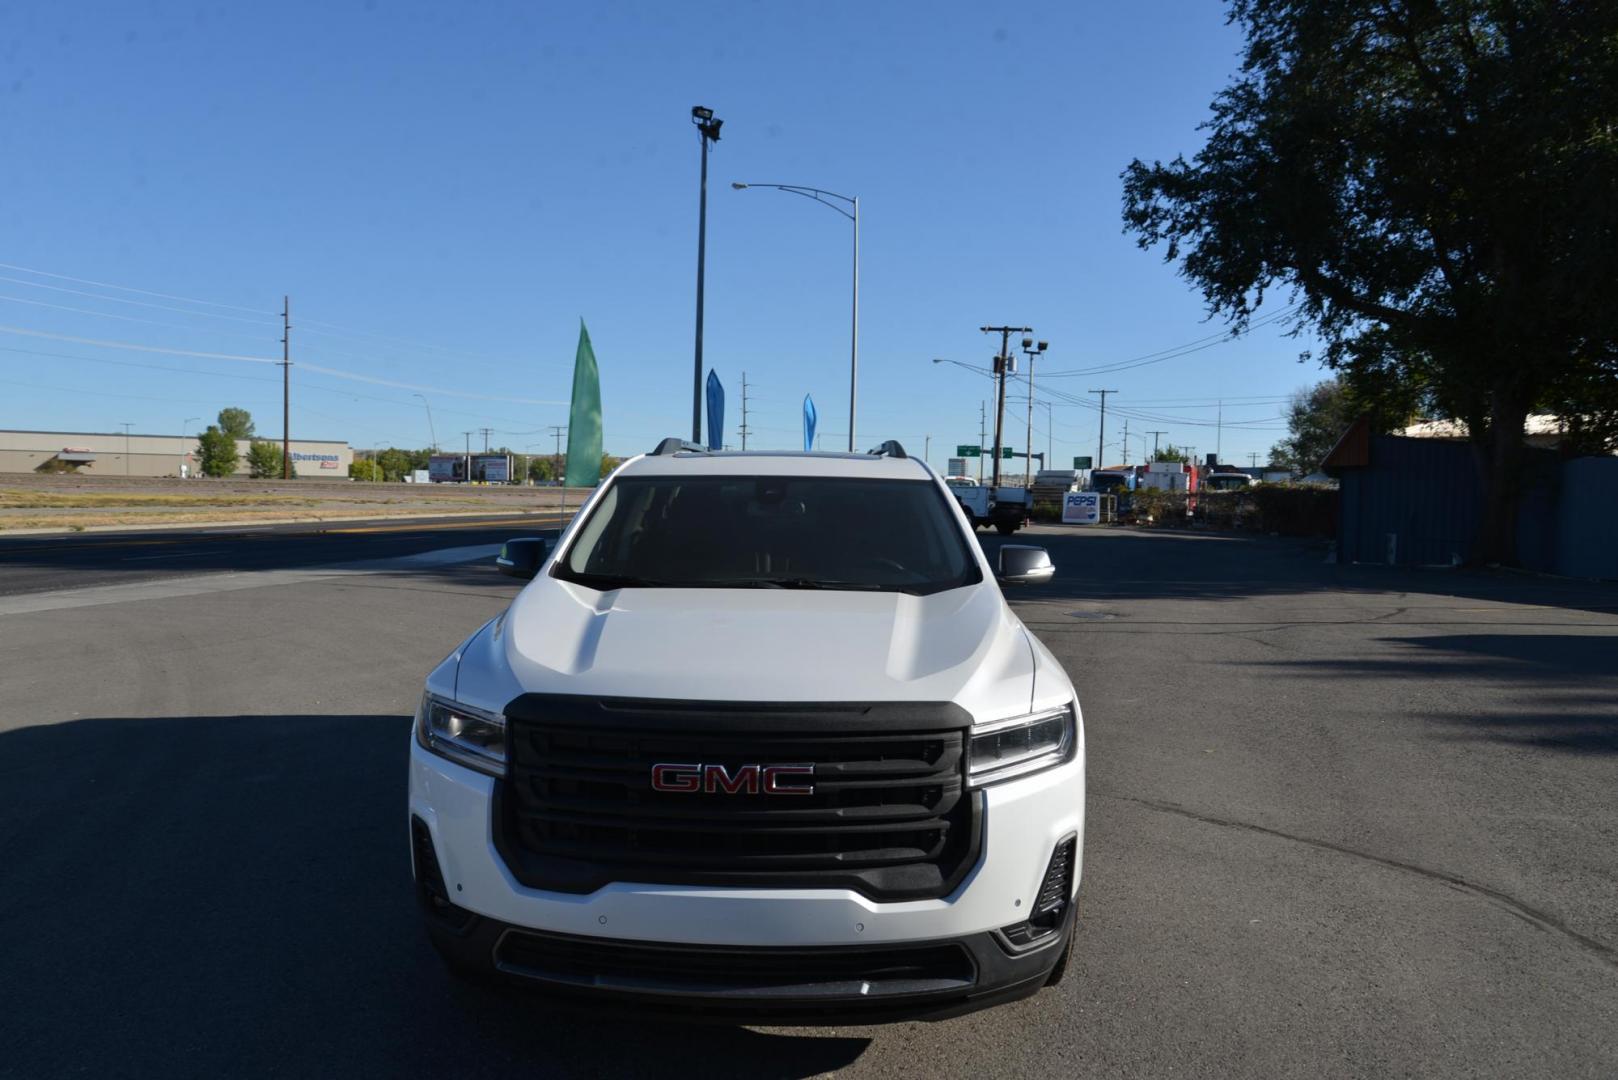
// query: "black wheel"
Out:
[1006,528]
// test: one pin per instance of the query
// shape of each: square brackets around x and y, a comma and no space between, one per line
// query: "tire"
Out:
[1006,528]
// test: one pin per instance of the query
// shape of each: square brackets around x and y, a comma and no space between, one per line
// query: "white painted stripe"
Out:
[230,581]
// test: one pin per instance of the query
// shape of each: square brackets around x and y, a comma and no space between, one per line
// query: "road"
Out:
[1344,821]
[39,563]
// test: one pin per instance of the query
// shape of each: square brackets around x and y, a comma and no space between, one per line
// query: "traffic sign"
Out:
[1005,452]
[1082,462]
[968,451]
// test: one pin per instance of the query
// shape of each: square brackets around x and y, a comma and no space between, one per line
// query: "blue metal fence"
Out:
[1418,502]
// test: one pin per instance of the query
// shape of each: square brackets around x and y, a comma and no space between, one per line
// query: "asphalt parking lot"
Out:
[1344,821]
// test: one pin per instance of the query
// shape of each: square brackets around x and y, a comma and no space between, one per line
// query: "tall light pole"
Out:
[707,132]
[430,429]
[183,425]
[852,214]
[1030,351]
[127,424]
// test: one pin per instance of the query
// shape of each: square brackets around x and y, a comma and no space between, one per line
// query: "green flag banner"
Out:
[584,422]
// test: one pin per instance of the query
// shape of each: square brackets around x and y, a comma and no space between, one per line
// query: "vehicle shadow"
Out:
[1556,692]
[230,895]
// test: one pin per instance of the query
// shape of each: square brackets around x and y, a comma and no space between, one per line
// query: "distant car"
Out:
[1227,481]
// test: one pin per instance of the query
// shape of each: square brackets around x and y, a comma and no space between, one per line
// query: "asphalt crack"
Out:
[1542,920]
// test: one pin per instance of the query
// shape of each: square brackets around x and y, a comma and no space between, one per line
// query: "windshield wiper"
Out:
[820,583]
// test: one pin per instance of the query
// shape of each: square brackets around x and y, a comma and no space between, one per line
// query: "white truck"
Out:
[725,756]
[1005,508]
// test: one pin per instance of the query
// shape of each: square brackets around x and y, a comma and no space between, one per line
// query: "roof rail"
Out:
[890,448]
[676,445]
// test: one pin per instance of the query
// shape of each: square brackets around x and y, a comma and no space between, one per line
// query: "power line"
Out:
[136,303]
[122,318]
[1175,352]
[334,372]
[128,288]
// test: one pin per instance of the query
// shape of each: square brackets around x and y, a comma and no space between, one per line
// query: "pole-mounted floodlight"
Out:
[708,129]
[1028,343]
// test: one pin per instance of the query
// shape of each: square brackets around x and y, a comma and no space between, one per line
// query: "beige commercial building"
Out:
[99,453]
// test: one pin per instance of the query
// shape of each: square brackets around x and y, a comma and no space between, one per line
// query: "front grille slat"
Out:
[890,814]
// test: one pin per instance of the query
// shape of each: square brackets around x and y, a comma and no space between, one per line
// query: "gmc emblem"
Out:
[743,780]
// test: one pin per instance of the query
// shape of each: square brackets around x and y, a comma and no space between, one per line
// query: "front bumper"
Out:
[723,950]
[931,980]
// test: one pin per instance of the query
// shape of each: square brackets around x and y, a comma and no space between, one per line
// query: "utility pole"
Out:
[1002,366]
[486,433]
[983,433]
[1219,438]
[1126,440]
[127,426]
[1252,459]
[466,477]
[561,477]
[927,448]
[1101,439]
[1155,436]
[744,411]
[286,388]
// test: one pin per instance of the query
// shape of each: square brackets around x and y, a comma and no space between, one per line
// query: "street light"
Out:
[707,132]
[183,425]
[1030,350]
[430,430]
[852,214]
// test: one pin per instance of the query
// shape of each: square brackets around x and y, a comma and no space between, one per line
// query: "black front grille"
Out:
[749,975]
[889,816]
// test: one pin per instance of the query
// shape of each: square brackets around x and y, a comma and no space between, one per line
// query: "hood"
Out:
[963,645]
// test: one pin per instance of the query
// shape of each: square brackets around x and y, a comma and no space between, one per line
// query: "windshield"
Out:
[738,532]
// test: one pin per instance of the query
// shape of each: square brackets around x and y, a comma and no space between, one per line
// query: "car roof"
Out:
[776,463]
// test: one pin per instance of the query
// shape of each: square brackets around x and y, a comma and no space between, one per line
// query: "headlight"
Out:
[1021,745]
[465,735]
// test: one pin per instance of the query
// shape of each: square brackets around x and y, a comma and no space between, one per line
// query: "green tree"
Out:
[1316,418]
[542,469]
[237,423]
[1171,453]
[395,463]
[365,468]
[216,452]
[1435,183]
[264,460]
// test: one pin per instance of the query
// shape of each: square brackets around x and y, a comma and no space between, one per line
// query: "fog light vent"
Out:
[430,887]
[1050,906]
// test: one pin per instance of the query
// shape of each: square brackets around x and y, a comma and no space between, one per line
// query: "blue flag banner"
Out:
[809,419]
[716,412]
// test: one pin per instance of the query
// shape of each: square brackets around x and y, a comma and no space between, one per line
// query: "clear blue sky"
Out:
[453,186]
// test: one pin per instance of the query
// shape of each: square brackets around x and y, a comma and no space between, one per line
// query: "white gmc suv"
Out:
[762,741]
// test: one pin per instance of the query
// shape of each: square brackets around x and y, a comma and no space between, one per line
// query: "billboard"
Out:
[446,468]
[491,468]
[1081,508]
[957,467]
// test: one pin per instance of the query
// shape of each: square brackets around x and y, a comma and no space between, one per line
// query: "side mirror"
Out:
[1024,564]
[522,558]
